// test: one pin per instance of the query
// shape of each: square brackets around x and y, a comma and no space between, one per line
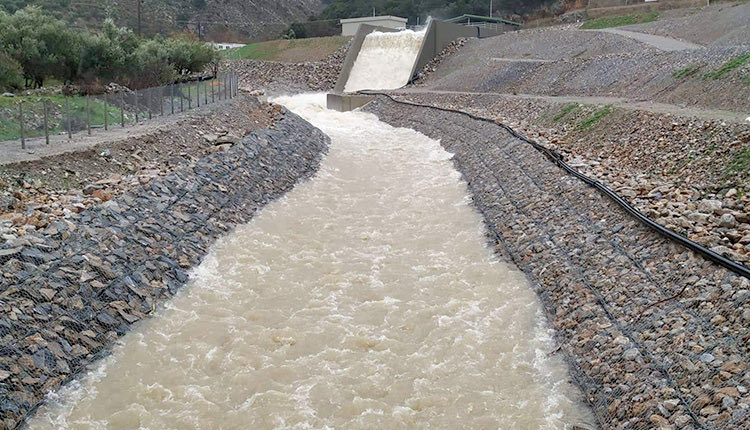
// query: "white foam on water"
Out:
[365,298]
[385,61]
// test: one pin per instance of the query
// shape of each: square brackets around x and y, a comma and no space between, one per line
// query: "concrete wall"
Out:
[351,56]
[438,35]
[441,34]
[350,27]
[347,102]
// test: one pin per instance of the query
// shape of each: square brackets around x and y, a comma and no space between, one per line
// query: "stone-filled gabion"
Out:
[79,286]
[655,335]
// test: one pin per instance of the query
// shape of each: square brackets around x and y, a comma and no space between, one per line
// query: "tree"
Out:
[151,59]
[10,73]
[42,45]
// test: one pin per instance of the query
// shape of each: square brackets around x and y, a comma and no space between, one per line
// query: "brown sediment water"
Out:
[365,298]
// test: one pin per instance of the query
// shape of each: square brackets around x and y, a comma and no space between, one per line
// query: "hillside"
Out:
[294,50]
[515,9]
[220,20]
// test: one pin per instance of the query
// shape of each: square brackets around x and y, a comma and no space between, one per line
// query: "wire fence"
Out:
[41,117]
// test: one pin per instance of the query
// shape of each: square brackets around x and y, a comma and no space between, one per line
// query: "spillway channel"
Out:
[365,298]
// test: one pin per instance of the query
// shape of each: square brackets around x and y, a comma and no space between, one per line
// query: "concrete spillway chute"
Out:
[434,39]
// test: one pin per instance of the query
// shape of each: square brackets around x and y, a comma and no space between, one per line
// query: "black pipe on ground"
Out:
[558,159]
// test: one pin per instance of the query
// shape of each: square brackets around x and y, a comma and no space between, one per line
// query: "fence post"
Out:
[227,94]
[171,96]
[46,123]
[136,107]
[88,115]
[20,120]
[190,98]
[122,110]
[106,113]
[213,81]
[218,86]
[149,100]
[179,88]
[161,101]
[198,92]
[67,112]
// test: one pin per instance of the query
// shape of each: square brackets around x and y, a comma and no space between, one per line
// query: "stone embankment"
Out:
[691,175]
[288,78]
[655,335]
[70,289]
[35,193]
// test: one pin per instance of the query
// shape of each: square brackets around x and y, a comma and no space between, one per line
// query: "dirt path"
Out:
[658,42]
[620,102]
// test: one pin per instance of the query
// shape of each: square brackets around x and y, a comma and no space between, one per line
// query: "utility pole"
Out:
[490,8]
[139,15]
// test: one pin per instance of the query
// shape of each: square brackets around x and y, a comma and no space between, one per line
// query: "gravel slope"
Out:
[596,64]
[721,24]
[656,336]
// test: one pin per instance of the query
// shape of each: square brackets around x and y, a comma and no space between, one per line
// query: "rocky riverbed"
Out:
[656,336]
[72,286]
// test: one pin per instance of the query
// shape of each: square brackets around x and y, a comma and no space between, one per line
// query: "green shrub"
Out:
[566,110]
[45,47]
[11,73]
[728,67]
[687,71]
[601,113]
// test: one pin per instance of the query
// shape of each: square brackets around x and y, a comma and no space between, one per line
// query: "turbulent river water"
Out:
[366,298]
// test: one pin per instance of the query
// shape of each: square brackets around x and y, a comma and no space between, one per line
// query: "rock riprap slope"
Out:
[656,336]
[564,60]
[78,286]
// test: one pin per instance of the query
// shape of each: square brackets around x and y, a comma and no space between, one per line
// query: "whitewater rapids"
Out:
[366,298]
[385,61]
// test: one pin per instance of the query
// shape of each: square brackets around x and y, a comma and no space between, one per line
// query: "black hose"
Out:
[557,158]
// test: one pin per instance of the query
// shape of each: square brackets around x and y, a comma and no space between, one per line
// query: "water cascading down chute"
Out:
[385,61]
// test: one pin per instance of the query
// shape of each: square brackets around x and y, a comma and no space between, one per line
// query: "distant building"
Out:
[224,46]
[350,26]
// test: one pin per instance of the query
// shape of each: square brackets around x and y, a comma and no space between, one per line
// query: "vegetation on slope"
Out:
[34,46]
[217,20]
[617,21]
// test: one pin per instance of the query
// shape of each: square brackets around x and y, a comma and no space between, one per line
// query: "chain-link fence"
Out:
[25,119]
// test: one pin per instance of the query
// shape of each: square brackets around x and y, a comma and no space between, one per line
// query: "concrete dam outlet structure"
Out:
[381,58]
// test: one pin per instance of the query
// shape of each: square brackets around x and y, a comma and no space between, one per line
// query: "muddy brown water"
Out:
[366,298]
